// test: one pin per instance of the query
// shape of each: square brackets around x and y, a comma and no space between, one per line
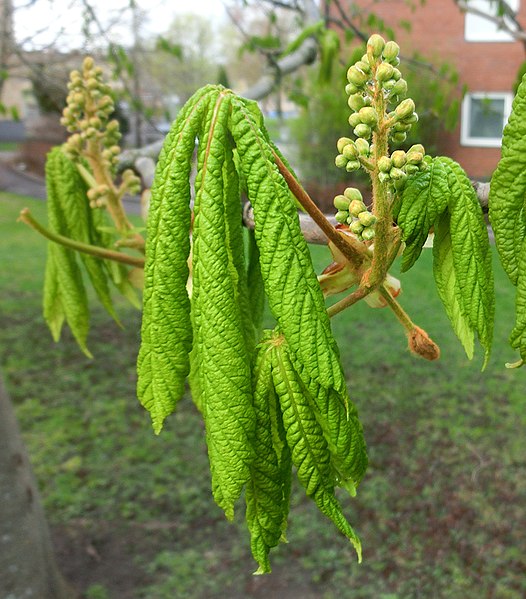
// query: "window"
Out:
[480,29]
[483,118]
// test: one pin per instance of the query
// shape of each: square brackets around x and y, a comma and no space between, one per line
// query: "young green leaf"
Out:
[166,331]
[220,335]
[53,310]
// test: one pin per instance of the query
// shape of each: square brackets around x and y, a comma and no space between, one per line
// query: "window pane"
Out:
[486,117]
[479,29]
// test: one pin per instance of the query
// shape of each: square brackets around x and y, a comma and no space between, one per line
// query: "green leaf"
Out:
[508,189]
[447,284]
[256,290]
[518,334]
[166,331]
[423,199]
[471,255]
[65,279]
[305,437]
[291,285]
[220,334]
[267,492]
[53,309]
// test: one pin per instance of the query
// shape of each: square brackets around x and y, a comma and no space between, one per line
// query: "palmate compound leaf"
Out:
[223,332]
[507,211]
[442,196]
[166,332]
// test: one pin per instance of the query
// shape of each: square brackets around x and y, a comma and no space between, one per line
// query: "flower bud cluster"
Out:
[401,164]
[353,212]
[86,115]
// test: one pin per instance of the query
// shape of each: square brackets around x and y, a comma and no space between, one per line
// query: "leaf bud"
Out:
[355,226]
[405,109]
[375,45]
[362,146]
[356,207]
[414,158]
[398,158]
[396,173]
[342,216]
[399,137]
[357,77]
[340,161]
[340,144]
[369,116]
[354,119]
[356,101]
[352,193]
[352,165]
[384,164]
[362,130]
[368,233]
[341,202]
[384,72]
[350,151]
[367,219]
[391,51]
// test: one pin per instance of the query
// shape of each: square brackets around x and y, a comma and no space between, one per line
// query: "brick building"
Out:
[486,58]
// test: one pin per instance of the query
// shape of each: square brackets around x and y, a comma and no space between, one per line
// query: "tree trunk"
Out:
[27,562]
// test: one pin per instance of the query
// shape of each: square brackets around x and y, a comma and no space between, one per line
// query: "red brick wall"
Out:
[438,33]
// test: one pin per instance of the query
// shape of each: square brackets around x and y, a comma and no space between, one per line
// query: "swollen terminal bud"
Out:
[421,344]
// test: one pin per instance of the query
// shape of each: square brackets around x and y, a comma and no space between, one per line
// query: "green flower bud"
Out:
[363,65]
[367,219]
[356,227]
[362,130]
[389,84]
[342,216]
[383,177]
[351,193]
[369,116]
[368,234]
[414,157]
[365,58]
[87,64]
[357,77]
[397,75]
[350,151]
[411,119]
[394,61]
[411,169]
[354,120]
[356,207]
[396,173]
[375,45]
[350,88]
[352,165]
[362,146]
[399,137]
[398,158]
[405,109]
[384,72]
[416,148]
[391,51]
[341,202]
[401,127]
[400,88]
[356,101]
[340,161]
[384,164]
[340,144]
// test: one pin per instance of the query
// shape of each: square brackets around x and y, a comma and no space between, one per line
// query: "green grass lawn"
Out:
[440,512]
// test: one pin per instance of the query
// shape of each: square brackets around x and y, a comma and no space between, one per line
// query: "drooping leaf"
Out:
[166,332]
[423,199]
[471,255]
[291,285]
[53,309]
[309,449]
[518,334]
[447,284]
[220,338]
[508,189]
[256,289]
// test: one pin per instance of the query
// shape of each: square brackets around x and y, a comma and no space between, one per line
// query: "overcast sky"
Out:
[50,20]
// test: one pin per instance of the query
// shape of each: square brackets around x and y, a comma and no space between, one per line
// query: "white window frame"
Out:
[482,142]
[491,33]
